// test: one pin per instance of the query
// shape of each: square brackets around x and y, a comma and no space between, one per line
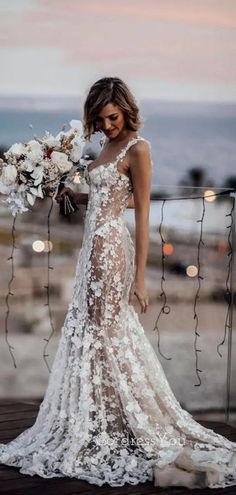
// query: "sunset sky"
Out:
[164,49]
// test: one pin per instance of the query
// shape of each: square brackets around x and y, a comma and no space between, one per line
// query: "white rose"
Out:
[61,161]
[9,174]
[35,152]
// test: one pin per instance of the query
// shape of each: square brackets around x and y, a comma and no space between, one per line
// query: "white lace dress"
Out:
[109,414]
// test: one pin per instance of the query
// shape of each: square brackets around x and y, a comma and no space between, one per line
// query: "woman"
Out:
[108,414]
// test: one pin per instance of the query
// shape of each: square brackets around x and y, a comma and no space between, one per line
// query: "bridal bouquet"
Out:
[37,168]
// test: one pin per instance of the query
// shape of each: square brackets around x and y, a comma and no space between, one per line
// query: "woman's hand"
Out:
[66,190]
[138,289]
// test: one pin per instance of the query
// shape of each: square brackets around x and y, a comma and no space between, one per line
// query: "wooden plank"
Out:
[15,423]
[7,415]
[64,487]
[18,403]
[16,417]
[15,408]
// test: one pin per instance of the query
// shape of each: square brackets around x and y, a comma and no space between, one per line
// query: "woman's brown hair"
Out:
[110,90]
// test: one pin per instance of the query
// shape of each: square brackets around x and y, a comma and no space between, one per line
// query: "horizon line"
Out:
[35,96]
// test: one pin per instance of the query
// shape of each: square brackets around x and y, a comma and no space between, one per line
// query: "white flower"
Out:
[132,407]
[97,345]
[16,202]
[142,418]
[76,340]
[76,151]
[34,191]
[149,393]
[169,429]
[124,452]
[131,464]
[35,156]
[96,380]
[31,199]
[26,165]
[128,354]
[4,189]
[111,417]
[117,278]
[17,150]
[37,175]
[35,152]
[40,192]
[52,142]
[77,124]
[62,414]
[96,287]
[9,174]
[61,161]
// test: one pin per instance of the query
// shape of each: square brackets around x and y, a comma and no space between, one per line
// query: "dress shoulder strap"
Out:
[130,143]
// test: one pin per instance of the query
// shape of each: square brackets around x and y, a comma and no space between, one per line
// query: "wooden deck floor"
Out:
[15,417]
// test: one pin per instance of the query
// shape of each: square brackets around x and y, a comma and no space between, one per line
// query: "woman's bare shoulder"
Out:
[141,149]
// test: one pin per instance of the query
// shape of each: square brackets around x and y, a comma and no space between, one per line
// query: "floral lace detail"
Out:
[109,414]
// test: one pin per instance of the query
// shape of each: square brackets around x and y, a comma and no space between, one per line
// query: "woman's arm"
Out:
[131,202]
[141,173]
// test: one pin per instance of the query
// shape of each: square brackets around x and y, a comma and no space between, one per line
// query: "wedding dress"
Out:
[109,414]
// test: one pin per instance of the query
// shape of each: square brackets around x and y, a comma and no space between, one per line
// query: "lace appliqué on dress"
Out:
[109,414]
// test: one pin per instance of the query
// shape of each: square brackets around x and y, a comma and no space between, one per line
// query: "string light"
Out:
[209,195]
[38,246]
[191,271]
[48,246]
[10,293]
[199,278]
[168,249]
[165,309]
[47,287]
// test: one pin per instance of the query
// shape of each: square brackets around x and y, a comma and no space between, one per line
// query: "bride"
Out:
[109,414]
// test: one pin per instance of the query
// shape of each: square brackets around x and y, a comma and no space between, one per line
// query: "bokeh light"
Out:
[168,249]
[209,195]
[47,246]
[38,246]
[222,246]
[191,271]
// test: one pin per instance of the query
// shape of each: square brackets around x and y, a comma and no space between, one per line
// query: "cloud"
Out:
[188,40]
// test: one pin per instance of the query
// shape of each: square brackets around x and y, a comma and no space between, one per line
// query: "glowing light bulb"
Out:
[209,195]
[168,249]
[191,271]
[48,245]
[38,246]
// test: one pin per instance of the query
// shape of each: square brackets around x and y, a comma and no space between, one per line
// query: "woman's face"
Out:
[110,121]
